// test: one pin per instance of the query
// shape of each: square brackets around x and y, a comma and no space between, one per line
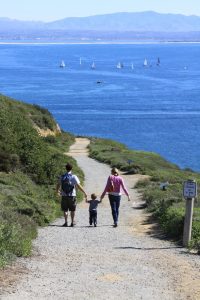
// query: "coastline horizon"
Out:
[100,43]
[157,101]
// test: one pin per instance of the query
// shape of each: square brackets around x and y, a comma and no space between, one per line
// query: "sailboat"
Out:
[145,63]
[93,66]
[158,62]
[62,64]
[80,61]
[132,66]
[119,65]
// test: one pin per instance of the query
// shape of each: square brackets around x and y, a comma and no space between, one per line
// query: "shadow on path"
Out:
[79,226]
[140,206]
[151,248]
[52,225]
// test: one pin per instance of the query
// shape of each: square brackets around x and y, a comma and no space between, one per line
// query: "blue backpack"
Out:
[67,183]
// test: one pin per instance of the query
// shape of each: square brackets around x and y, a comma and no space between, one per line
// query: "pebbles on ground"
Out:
[101,263]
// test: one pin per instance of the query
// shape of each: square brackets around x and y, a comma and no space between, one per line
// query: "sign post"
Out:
[189,193]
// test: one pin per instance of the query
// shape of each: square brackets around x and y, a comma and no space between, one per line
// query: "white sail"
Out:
[145,64]
[93,66]
[62,64]
[80,61]
[119,65]
[132,66]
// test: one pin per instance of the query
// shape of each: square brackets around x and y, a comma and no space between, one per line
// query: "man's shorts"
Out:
[68,203]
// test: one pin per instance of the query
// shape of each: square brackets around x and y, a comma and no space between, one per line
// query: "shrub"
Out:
[171,220]
[43,121]
[167,206]
[29,168]
[16,233]
[141,184]
[50,139]
[196,230]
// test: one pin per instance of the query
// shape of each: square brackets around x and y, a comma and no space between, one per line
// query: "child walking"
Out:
[93,209]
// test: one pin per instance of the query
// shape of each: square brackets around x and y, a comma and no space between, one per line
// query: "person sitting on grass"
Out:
[93,209]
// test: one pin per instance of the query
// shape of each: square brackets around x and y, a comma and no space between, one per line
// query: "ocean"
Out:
[154,108]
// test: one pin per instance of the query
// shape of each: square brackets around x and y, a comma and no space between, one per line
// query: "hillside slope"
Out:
[167,205]
[29,168]
[122,21]
[86,262]
[137,21]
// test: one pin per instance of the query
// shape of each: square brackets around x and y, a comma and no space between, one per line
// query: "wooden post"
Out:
[188,221]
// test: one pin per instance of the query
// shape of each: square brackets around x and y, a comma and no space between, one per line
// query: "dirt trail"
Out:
[105,262]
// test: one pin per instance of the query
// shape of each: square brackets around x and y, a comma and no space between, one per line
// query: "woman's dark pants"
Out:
[115,203]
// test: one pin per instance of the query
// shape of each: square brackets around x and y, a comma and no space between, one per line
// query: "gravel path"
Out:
[105,262]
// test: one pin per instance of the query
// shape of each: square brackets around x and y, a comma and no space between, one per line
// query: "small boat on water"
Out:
[93,66]
[120,65]
[62,64]
[132,66]
[158,62]
[80,61]
[145,63]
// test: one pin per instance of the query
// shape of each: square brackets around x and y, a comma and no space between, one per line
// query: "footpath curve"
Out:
[105,262]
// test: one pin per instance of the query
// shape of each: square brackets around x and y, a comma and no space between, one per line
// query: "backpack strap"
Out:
[66,175]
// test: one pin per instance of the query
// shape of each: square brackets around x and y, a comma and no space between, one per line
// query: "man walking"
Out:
[66,187]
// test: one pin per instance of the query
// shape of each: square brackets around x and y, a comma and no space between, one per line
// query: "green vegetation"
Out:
[30,165]
[29,169]
[168,205]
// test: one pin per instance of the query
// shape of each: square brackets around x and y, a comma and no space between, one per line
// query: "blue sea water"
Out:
[154,109]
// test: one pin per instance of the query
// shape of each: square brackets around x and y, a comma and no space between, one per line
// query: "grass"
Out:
[30,166]
[29,169]
[168,206]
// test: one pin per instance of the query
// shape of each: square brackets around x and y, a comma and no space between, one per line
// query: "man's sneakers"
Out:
[115,225]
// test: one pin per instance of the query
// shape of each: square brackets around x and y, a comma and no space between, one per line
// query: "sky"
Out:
[50,10]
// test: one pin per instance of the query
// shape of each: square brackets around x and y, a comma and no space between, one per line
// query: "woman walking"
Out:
[113,187]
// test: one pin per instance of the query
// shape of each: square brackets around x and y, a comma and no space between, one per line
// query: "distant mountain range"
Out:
[143,24]
[141,21]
